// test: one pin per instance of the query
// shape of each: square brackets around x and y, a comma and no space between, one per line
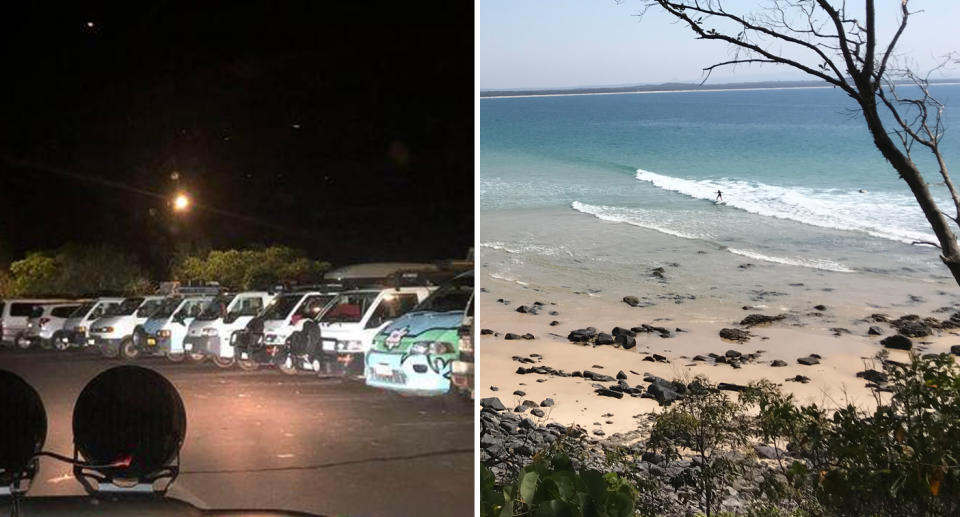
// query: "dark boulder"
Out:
[726,386]
[604,339]
[734,334]
[955,349]
[548,402]
[485,332]
[492,403]
[875,331]
[537,412]
[778,363]
[898,341]
[760,319]
[511,335]
[808,361]
[604,392]
[621,375]
[632,301]
[528,336]
[873,376]
[732,353]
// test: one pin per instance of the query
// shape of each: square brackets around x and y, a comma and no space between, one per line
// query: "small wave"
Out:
[499,246]
[884,215]
[822,264]
[508,279]
[619,215]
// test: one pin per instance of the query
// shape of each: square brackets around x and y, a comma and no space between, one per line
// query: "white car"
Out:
[347,328]
[164,331]
[209,334]
[288,313]
[116,326]
[74,331]
[14,314]
[45,321]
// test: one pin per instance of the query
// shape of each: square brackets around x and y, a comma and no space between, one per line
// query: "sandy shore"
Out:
[804,331]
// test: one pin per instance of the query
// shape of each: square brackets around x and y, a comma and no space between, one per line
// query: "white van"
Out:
[267,341]
[347,328]
[45,321]
[14,314]
[209,334]
[74,332]
[163,333]
[116,326]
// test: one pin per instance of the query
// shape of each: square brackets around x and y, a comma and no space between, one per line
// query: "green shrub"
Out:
[553,487]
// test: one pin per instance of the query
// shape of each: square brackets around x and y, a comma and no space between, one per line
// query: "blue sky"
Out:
[564,43]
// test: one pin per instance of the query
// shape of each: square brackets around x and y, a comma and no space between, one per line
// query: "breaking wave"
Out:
[823,264]
[884,215]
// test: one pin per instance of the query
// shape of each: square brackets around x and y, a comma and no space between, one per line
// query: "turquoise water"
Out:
[791,165]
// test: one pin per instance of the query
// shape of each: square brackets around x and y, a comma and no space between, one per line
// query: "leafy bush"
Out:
[75,271]
[553,487]
[251,268]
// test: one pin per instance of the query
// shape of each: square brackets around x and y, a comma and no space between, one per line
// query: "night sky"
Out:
[345,129]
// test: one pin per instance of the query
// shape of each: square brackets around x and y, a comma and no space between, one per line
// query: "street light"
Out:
[181,203]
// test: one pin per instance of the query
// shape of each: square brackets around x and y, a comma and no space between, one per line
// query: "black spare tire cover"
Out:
[129,412]
[23,429]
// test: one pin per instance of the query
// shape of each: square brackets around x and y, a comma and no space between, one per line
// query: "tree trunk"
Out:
[950,250]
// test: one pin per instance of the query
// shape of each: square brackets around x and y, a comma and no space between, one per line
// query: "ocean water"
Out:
[804,188]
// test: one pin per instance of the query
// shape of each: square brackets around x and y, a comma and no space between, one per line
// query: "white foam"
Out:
[885,215]
[508,279]
[826,265]
[633,217]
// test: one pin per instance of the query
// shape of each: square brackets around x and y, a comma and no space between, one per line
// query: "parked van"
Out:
[44,322]
[115,328]
[74,331]
[209,334]
[462,369]
[14,314]
[164,331]
[347,328]
[265,340]
[414,353]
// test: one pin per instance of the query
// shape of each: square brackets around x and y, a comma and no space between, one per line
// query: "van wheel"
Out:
[109,349]
[288,366]
[176,357]
[223,362]
[196,358]
[248,365]
[128,349]
[60,345]
[21,344]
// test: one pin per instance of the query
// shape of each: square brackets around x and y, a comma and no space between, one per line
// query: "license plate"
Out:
[24,341]
[383,370]
[151,341]
[243,355]
[188,346]
[91,342]
[330,345]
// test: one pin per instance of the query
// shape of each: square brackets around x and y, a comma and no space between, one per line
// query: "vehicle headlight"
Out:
[80,330]
[270,338]
[431,347]
[352,345]
[210,331]
[163,333]
[103,330]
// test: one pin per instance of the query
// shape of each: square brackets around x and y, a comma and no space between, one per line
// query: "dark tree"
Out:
[839,44]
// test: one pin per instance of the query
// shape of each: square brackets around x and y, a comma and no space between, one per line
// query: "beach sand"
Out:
[804,331]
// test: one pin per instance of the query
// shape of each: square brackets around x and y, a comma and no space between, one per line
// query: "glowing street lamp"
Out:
[181,203]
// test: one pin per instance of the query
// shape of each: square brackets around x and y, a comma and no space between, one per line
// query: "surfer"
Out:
[719,197]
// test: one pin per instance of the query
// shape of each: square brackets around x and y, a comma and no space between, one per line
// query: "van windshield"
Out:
[450,297]
[247,306]
[282,306]
[349,308]
[125,308]
[216,309]
[149,307]
[82,310]
[166,308]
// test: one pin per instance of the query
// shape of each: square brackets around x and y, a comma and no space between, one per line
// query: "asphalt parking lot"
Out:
[264,440]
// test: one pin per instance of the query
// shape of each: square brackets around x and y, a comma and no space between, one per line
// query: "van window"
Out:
[348,308]
[281,307]
[216,309]
[63,312]
[81,310]
[37,311]
[149,307]
[312,306]
[450,297]
[391,307]
[102,310]
[126,308]
[250,306]
[21,309]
